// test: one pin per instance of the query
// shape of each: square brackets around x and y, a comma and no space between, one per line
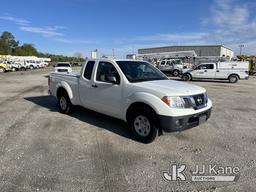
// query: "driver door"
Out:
[105,96]
[204,71]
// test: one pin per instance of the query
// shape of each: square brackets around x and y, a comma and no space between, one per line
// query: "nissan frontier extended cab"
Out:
[135,92]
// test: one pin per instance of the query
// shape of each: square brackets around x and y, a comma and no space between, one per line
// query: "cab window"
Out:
[168,63]
[105,70]
[205,66]
[162,62]
[88,69]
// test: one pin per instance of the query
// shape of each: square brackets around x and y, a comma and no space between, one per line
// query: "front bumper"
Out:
[180,123]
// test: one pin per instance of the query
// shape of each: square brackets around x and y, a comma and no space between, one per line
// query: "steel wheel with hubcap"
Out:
[175,73]
[143,125]
[186,77]
[233,78]
[64,103]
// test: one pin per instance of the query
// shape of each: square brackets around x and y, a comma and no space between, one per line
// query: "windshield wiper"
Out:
[150,79]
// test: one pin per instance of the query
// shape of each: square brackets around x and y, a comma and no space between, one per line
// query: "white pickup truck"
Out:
[172,66]
[232,71]
[135,92]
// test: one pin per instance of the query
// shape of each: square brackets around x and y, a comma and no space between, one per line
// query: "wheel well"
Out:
[188,75]
[138,105]
[234,75]
[61,91]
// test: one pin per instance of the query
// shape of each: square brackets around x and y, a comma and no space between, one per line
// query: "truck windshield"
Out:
[137,71]
[63,65]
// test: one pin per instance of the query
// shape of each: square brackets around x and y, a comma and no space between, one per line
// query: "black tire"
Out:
[64,103]
[186,77]
[146,132]
[233,78]
[175,73]
[2,70]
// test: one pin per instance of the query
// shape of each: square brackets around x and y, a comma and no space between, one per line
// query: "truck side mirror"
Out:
[112,79]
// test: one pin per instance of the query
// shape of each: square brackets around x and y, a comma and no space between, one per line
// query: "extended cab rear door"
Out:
[85,84]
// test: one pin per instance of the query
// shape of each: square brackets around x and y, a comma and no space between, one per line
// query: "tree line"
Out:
[10,46]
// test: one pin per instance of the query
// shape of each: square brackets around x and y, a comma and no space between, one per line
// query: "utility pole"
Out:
[241,47]
[113,50]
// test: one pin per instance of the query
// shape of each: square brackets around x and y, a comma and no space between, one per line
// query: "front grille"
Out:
[196,101]
[188,102]
[200,101]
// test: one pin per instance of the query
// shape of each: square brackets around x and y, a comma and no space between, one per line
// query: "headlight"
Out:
[174,102]
[206,97]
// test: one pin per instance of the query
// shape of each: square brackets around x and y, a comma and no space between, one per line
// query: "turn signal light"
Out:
[166,100]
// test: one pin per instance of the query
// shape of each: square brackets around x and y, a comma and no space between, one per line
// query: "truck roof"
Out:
[109,59]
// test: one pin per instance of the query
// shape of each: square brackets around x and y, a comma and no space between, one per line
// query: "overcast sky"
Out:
[68,26]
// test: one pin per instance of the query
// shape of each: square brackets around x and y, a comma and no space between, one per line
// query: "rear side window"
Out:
[211,66]
[206,66]
[88,70]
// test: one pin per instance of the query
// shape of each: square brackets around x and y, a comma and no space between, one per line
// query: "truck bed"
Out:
[66,80]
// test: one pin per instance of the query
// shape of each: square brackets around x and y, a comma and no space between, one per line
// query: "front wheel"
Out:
[186,77]
[233,78]
[144,126]
[2,70]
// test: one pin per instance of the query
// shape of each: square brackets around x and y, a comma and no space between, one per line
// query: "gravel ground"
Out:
[43,150]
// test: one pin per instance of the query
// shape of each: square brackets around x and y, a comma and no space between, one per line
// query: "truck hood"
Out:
[170,88]
[187,70]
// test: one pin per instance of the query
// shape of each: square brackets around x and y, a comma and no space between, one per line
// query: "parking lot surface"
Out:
[44,150]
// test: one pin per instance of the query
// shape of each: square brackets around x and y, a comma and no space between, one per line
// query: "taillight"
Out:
[247,72]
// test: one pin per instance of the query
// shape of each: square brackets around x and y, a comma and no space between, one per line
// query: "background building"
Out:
[200,50]
[201,53]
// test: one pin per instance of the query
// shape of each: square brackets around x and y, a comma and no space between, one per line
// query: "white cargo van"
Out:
[232,71]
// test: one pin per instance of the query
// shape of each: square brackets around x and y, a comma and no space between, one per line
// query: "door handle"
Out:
[94,86]
[205,70]
[217,71]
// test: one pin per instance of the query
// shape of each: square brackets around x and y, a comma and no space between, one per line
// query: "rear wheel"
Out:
[233,78]
[175,73]
[144,126]
[31,67]
[186,77]
[64,103]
